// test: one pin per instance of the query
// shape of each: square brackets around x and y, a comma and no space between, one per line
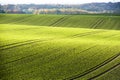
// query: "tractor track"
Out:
[57,21]
[108,70]
[60,20]
[98,23]
[20,44]
[31,41]
[36,54]
[29,56]
[55,50]
[17,44]
[14,43]
[92,33]
[70,49]
[34,41]
[87,33]
[22,19]
[18,59]
[37,68]
[94,68]
[65,18]
[92,24]
[9,20]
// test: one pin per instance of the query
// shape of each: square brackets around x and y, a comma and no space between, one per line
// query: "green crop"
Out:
[53,47]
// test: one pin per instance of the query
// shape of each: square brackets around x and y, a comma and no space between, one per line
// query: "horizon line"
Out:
[55,3]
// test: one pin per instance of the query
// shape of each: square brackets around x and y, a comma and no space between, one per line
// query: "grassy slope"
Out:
[41,52]
[110,76]
[81,21]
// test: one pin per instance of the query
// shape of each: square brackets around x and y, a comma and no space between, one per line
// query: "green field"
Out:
[59,47]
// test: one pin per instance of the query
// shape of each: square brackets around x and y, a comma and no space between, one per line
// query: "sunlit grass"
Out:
[34,52]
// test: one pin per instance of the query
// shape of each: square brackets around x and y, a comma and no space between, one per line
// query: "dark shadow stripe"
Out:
[94,68]
[94,77]
[21,44]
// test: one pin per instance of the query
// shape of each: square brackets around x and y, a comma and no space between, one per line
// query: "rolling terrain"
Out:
[59,47]
[77,21]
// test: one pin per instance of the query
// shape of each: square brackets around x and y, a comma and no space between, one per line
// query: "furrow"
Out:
[93,24]
[30,56]
[98,23]
[65,18]
[54,59]
[87,33]
[57,21]
[14,43]
[60,20]
[22,44]
[94,68]
[94,77]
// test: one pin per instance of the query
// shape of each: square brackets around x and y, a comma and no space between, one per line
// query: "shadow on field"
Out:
[2,67]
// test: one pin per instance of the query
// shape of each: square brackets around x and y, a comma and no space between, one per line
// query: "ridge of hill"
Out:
[79,21]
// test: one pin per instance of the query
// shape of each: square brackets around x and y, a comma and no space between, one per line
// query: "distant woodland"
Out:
[61,9]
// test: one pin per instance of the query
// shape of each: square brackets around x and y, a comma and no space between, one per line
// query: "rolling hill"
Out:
[59,47]
[80,21]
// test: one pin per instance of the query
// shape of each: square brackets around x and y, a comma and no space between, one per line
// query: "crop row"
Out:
[108,70]
[13,45]
[97,22]
[94,68]
[97,66]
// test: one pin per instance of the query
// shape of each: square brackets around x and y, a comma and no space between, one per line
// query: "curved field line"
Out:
[35,54]
[22,19]
[94,68]
[76,35]
[60,20]
[108,70]
[94,23]
[14,43]
[30,41]
[57,21]
[9,20]
[56,49]
[91,33]
[18,59]
[65,18]
[21,44]
[70,49]
[87,33]
[98,23]
[29,56]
